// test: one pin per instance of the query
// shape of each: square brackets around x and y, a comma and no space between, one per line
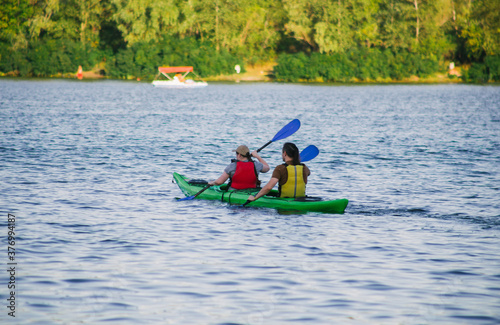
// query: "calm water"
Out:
[86,168]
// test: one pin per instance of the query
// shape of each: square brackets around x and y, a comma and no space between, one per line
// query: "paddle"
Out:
[309,153]
[285,132]
[193,196]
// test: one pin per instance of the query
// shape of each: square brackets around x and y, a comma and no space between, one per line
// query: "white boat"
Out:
[178,80]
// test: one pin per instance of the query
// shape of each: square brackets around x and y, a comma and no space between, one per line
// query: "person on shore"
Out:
[291,176]
[243,172]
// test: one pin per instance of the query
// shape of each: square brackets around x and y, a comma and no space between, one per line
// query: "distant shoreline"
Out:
[243,78]
[262,73]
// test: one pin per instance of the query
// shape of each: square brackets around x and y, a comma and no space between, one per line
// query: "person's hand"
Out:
[251,198]
[211,183]
[255,154]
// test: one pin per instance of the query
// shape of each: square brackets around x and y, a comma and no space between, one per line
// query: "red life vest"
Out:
[244,176]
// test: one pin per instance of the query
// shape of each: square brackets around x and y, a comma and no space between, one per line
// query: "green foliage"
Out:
[478,30]
[290,67]
[51,57]
[14,15]
[493,65]
[145,20]
[46,58]
[340,40]
[361,63]
[11,60]
[143,59]
[483,72]
[477,73]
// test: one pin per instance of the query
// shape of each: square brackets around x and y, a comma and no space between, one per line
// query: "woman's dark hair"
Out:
[292,151]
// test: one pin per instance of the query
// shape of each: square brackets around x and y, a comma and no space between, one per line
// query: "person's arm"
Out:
[307,173]
[268,187]
[220,180]
[265,167]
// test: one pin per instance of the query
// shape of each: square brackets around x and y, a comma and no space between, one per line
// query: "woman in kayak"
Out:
[291,176]
[243,171]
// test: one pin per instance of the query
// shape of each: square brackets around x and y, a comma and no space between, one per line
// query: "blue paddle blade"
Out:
[194,196]
[287,130]
[187,198]
[309,153]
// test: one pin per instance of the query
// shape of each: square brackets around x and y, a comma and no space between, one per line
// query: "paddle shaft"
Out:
[193,196]
[258,150]
[202,190]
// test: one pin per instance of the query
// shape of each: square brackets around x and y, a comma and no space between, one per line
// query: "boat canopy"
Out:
[175,69]
[166,70]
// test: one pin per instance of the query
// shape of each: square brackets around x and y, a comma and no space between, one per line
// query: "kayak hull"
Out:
[219,193]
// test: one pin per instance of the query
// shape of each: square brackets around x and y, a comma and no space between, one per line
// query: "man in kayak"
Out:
[243,171]
[291,176]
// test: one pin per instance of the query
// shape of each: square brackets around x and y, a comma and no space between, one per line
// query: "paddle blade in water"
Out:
[193,196]
[287,130]
[187,198]
[309,153]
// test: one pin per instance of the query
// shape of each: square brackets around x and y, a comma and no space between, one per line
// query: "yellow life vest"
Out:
[295,185]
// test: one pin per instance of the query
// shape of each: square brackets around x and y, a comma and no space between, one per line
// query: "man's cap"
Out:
[242,150]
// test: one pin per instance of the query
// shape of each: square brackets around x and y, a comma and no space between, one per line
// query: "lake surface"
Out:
[86,169]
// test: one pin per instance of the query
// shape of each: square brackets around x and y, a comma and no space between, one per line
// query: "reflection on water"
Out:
[86,167]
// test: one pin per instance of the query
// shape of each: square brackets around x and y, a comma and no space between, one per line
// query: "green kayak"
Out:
[271,200]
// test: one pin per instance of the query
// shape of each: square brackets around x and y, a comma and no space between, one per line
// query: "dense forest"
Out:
[310,40]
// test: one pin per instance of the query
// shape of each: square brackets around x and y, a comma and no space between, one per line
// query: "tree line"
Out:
[328,40]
